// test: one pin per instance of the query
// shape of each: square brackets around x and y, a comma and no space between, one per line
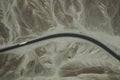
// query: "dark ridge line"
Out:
[65,35]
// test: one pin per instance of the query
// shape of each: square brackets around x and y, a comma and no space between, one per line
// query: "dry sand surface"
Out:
[60,58]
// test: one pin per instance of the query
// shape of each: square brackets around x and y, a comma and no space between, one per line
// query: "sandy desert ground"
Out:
[61,58]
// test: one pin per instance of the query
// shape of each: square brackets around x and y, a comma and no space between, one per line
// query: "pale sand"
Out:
[62,58]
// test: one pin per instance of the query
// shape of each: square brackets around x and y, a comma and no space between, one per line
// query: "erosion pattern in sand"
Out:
[61,58]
